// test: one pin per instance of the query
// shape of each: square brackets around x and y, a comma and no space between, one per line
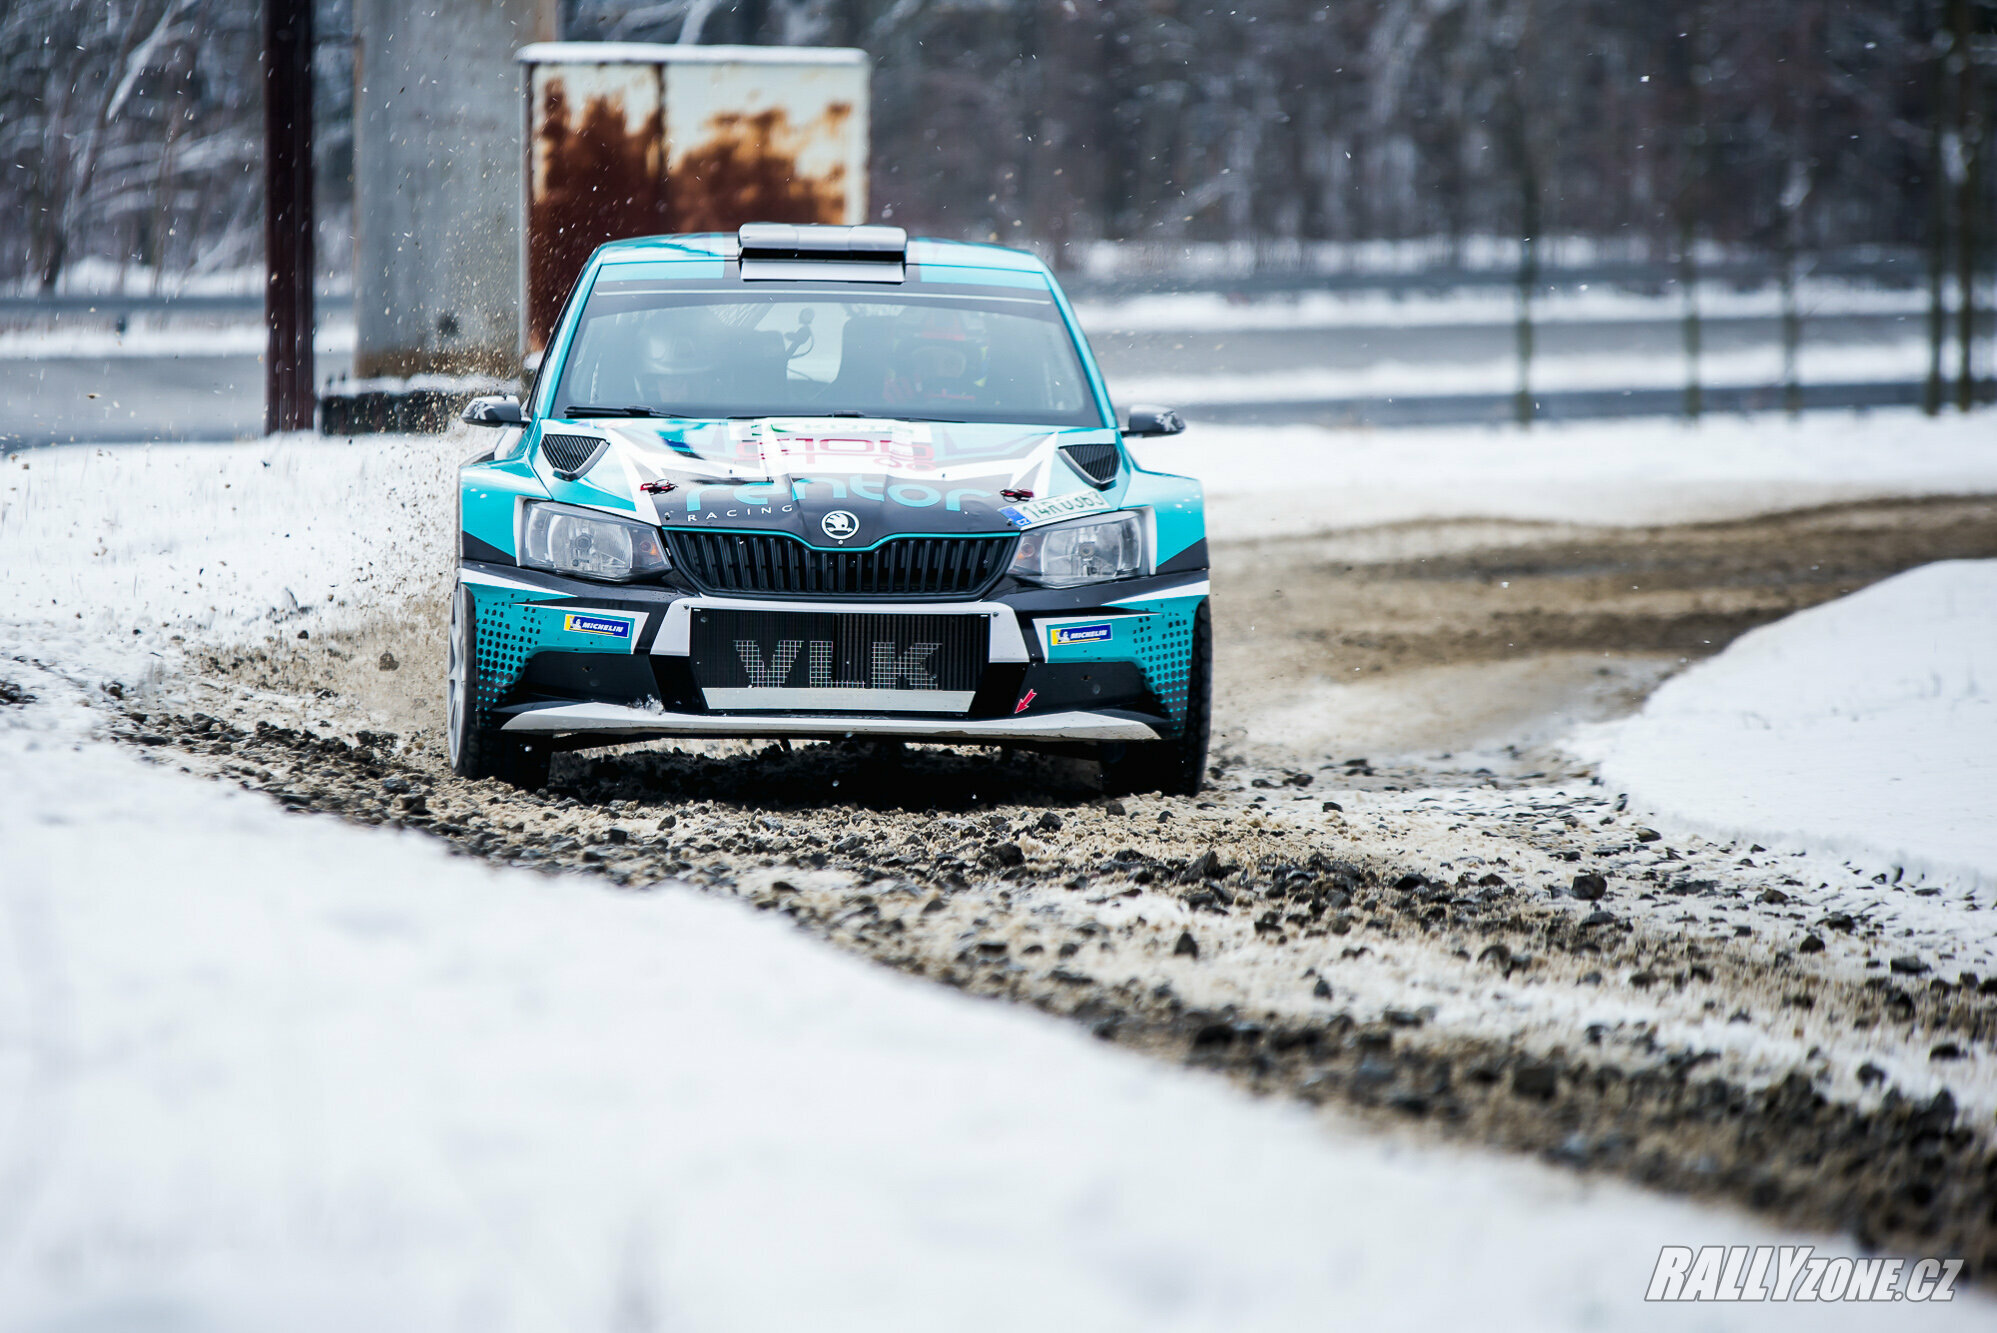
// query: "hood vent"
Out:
[1097,462]
[572,455]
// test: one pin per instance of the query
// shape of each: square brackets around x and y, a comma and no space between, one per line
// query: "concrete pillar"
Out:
[437,190]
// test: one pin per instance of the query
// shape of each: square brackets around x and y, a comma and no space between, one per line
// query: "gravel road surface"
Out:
[1397,896]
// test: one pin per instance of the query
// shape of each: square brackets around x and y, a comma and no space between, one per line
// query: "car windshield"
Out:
[922,351]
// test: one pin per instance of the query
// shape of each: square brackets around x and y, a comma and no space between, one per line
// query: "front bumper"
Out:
[584,664]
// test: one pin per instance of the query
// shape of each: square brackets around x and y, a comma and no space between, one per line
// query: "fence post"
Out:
[1794,191]
[1966,175]
[1528,282]
[1688,284]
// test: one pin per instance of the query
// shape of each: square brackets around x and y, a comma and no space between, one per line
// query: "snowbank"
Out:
[1273,481]
[1866,727]
[270,1071]
[1903,359]
[1497,307]
[162,336]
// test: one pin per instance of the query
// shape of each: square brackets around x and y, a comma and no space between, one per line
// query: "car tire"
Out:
[1174,767]
[475,751]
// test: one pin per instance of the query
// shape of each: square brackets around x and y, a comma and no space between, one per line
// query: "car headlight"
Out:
[590,545]
[1090,550]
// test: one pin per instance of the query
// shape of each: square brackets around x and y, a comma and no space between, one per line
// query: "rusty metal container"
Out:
[632,139]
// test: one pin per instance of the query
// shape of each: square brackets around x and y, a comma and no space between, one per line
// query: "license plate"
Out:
[809,661]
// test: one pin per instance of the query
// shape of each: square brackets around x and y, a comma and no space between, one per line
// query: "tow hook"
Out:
[657,487]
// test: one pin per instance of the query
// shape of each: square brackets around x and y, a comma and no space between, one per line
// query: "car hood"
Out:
[838,483]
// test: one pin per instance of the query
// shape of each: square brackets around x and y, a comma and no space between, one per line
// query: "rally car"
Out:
[825,482]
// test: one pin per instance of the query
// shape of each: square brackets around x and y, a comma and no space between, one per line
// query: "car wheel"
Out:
[475,751]
[1174,766]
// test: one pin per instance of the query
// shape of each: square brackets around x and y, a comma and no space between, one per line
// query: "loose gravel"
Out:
[1481,945]
[1291,931]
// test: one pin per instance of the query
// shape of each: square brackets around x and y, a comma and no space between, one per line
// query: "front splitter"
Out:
[621,720]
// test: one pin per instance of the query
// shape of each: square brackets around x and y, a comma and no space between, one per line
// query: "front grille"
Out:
[1097,462]
[820,660]
[572,455]
[775,564]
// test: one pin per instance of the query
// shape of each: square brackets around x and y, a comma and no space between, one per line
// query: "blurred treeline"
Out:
[129,130]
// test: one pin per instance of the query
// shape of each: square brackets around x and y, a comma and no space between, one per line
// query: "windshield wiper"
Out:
[579,410]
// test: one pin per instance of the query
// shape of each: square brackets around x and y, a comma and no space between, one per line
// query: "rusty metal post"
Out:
[287,227]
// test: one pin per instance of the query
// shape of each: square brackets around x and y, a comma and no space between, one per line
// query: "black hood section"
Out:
[840,511]
[841,485]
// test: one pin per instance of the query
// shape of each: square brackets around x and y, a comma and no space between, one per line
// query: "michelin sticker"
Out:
[587,624]
[1054,506]
[1060,636]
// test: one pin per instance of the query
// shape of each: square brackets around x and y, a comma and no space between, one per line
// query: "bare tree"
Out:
[128,128]
[113,113]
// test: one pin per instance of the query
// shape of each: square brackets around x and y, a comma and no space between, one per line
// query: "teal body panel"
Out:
[667,270]
[1156,634]
[984,277]
[489,496]
[513,625]
[583,491]
[1177,505]
[1092,636]
[1162,644]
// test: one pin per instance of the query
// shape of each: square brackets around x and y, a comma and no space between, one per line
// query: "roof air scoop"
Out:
[782,250]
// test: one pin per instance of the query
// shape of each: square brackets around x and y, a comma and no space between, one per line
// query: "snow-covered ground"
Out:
[132,545]
[163,337]
[266,1071]
[1834,363]
[220,538]
[81,334]
[1486,251]
[1264,481]
[1215,313]
[1864,728]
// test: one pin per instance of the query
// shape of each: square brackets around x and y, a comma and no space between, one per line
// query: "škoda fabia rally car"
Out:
[825,482]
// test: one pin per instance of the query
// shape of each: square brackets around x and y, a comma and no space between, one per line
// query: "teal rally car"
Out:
[826,482]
